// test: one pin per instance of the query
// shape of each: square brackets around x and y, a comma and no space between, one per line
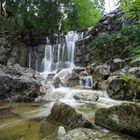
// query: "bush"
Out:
[118,44]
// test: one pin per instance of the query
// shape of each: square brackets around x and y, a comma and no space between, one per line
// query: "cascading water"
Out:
[62,54]
[33,54]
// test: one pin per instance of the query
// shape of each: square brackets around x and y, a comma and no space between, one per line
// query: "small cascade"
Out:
[30,57]
[33,59]
[62,54]
[85,80]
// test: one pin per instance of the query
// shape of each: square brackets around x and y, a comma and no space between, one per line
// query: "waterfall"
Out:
[30,58]
[62,54]
[33,59]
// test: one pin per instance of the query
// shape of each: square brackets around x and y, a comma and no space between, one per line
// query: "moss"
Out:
[130,82]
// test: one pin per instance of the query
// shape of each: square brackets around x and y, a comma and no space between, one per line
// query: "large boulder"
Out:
[68,116]
[124,88]
[19,84]
[72,79]
[122,118]
[68,77]
[90,134]
[100,72]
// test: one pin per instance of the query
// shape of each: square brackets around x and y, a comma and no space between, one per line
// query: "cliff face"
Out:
[13,49]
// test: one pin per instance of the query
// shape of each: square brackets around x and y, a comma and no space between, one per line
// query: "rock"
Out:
[86,96]
[68,116]
[12,49]
[61,131]
[78,70]
[100,72]
[89,134]
[87,57]
[120,72]
[102,34]
[135,71]
[3,55]
[117,64]
[68,77]
[123,88]
[57,82]
[53,95]
[72,79]
[136,62]
[19,84]
[123,118]
[90,68]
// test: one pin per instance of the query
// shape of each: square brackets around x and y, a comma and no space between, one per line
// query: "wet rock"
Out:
[123,118]
[57,82]
[136,62]
[78,70]
[72,79]
[100,72]
[90,68]
[120,72]
[117,64]
[135,71]
[123,88]
[61,131]
[68,116]
[86,96]
[19,84]
[3,55]
[68,77]
[54,94]
[89,134]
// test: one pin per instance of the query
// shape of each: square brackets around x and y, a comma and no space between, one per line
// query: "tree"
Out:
[131,8]
[51,16]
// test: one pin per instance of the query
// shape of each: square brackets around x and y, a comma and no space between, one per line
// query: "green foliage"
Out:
[51,16]
[130,82]
[118,44]
[131,8]
[86,13]
[127,78]
[136,52]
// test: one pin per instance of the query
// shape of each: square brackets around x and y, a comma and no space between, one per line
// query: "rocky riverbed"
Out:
[72,112]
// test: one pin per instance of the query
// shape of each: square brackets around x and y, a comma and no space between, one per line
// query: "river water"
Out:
[28,121]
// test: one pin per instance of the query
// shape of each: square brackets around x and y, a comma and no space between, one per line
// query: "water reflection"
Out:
[26,122]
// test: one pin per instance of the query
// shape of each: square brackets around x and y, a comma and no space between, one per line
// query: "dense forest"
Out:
[50,16]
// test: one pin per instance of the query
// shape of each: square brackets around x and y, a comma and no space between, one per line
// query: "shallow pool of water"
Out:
[26,122]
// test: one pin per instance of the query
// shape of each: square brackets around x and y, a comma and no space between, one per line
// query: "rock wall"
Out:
[13,49]
[19,49]
[85,51]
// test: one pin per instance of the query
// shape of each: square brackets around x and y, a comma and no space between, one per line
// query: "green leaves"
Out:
[118,44]
[131,8]
[51,16]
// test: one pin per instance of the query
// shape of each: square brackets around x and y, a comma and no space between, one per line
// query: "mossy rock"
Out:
[123,118]
[124,88]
